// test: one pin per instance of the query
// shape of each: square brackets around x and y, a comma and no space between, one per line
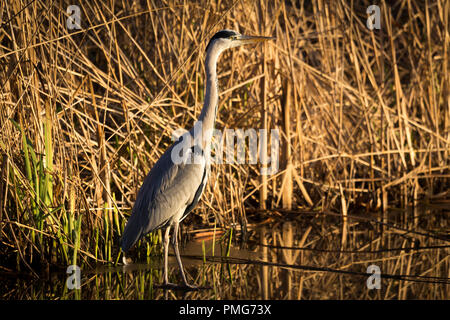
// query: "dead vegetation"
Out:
[84,114]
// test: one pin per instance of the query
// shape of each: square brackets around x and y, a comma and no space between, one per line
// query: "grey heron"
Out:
[172,189]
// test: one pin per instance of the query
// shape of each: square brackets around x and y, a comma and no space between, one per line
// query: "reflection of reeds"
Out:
[85,114]
[324,271]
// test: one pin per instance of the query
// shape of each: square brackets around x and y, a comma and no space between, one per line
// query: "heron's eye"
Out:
[233,37]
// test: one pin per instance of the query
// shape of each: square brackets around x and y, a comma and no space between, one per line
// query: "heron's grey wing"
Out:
[198,193]
[168,189]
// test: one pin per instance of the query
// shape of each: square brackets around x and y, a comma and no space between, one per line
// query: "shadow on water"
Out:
[303,256]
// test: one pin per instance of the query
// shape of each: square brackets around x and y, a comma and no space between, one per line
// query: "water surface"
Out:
[301,256]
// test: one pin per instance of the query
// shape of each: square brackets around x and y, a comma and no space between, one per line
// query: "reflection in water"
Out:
[297,259]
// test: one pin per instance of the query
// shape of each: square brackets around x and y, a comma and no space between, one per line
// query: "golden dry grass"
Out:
[86,113]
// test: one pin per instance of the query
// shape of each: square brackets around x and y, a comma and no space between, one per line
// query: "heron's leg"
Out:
[177,254]
[166,254]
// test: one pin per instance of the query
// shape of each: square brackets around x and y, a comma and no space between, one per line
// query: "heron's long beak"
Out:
[242,39]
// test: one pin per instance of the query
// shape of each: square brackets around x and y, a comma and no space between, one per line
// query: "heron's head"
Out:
[225,39]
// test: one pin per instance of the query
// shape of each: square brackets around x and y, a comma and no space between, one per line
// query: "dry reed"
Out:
[84,114]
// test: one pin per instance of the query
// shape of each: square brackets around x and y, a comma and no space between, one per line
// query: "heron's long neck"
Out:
[208,113]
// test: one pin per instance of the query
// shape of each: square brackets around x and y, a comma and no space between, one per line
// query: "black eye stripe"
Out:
[221,34]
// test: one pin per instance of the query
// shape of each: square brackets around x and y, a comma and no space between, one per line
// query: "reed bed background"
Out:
[364,116]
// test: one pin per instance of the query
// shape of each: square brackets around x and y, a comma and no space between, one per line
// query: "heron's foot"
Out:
[193,287]
[190,287]
[168,285]
[183,287]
